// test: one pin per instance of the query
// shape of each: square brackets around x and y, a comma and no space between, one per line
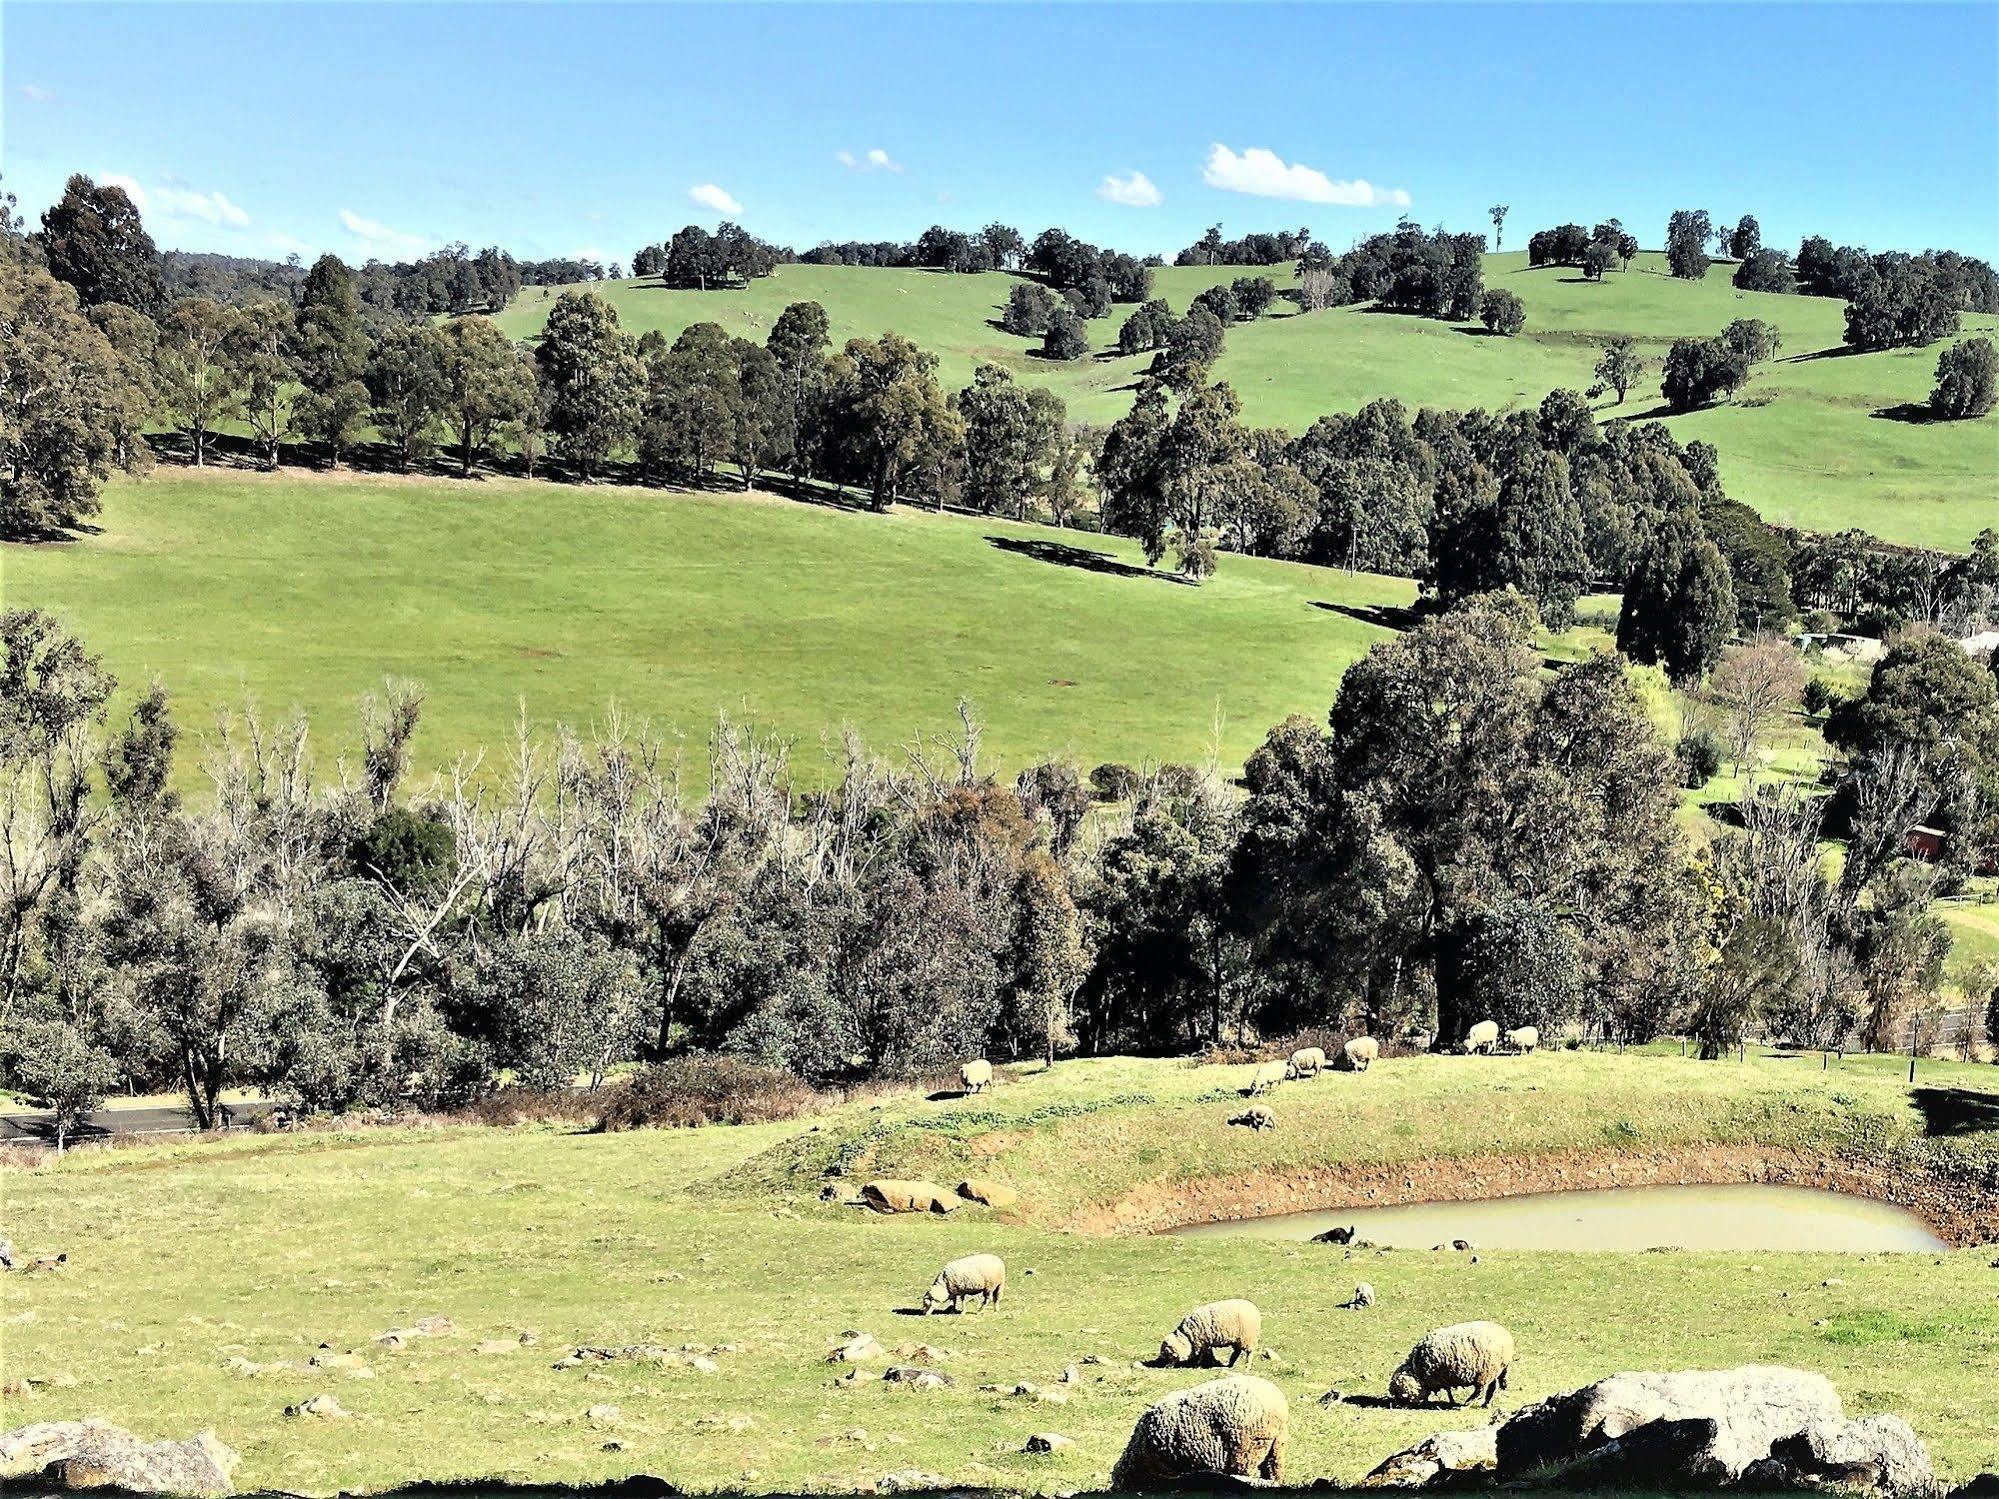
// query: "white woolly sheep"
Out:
[1257,1116]
[1465,1356]
[1306,1061]
[1361,1053]
[976,1077]
[1482,1037]
[1523,1040]
[1235,1325]
[980,1275]
[1236,1426]
[1267,1076]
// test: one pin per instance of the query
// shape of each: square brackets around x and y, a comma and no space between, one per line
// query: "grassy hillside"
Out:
[192,1265]
[1821,438]
[305,591]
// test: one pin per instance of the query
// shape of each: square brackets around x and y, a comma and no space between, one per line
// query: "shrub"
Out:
[1699,756]
[1700,371]
[1501,312]
[1114,782]
[1967,380]
[1177,780]
[1821,697]
[1067,338]
[706,1088]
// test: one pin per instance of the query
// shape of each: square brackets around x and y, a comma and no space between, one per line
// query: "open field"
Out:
[1820,438]
[304,591]
[184,1257]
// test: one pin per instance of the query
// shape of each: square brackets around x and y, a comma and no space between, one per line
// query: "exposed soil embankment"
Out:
[1959,1201]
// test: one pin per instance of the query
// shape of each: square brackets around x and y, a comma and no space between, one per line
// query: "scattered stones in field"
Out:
[42,1264]
[425,1327]
[859,1348]
[614,1445]
[604,1415]
[329,1357]
[1026,1391]
[915,1378]
[1070,1374]
[320,1407]
[735,1425]
[1048,1441]
[1437,1459]
[857,1377]
[1831,1281]
[922,1353]
[649,1353]
[909,1480]
[96,1454]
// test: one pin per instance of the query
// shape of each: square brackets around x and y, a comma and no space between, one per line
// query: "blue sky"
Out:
[554,130]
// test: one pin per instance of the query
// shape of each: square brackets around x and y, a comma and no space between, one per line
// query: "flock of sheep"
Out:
[1236,1425]
[1356,1056]
[1239,1424]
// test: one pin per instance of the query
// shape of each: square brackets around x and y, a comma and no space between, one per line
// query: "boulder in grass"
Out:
[94,1454]
[990,1193]
[1438,1461]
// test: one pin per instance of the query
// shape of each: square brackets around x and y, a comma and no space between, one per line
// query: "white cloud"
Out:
[289,244]
[377,236]
[1134,191]
[592,253]
[1265,174]
[34,93]
[175,200]
[708,195]
[210,208]
[876,160]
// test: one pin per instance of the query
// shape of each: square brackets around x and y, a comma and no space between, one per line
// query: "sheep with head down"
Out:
[1306,1061]
[1236,1427]
[1472,1356]
[1523,1040]
[1266,1076]
[1482,1037]
[1361,1053]
[1235,1325]
[973,1275]
[1258,1116]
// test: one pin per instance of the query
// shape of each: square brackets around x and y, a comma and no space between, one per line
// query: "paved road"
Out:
[35,1128]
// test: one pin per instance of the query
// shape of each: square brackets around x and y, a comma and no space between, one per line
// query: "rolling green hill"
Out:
[1820,438]
[305,591]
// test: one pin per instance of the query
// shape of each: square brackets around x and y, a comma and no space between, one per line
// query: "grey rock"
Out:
[1877,1452]
[1437,1460]
[1049,1441]
[92,1454]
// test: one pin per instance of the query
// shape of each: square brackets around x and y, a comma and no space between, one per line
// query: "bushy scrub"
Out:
[707,1088]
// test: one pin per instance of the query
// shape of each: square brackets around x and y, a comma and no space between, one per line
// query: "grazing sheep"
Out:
[908,1197]
[1523,1040]
[1361,1053]
[1235,1325]
[1306,1061]
[1465,1356]
[1482,1037]
[1236,1426]
[976,1077]
[1267,1076]
[980,1275]
[1256,1116]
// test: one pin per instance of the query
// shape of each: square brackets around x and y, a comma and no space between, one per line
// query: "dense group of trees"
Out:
[1410,269]
[1467,835]
[697,260]
[1592,251]
[1251,249]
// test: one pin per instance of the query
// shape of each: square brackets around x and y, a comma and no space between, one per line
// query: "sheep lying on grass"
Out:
[980,1275]
[1235,1325]
[889,1196]
[976,1077]
[1267,1076]
[1482,1037]
[1306,1061]
[1465,1356]
[1236,1426]
[1523,1040]
[1361,1053]
[1257,1116]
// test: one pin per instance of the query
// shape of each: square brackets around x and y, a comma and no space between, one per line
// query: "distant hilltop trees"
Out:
[696,260]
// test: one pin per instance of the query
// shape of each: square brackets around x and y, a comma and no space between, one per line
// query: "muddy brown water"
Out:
[1735,1217]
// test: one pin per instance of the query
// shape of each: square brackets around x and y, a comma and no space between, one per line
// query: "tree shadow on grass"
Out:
[1397,617]
[1836,351]
[1064,555]
[1917,413]
[1957,1111]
